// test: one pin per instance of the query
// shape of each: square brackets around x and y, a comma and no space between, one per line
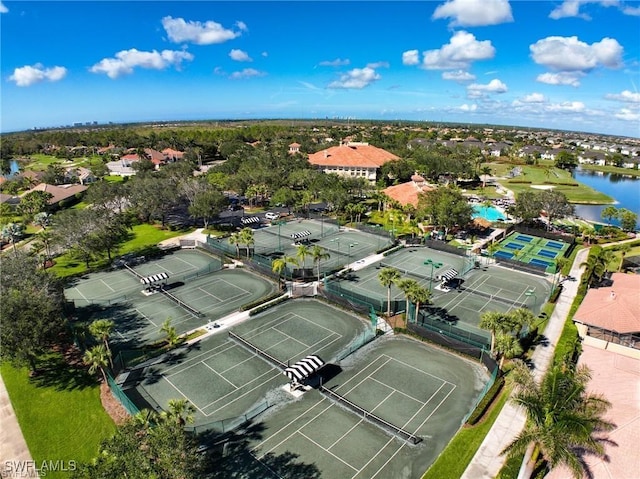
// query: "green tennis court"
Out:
[223,380]
[421,389]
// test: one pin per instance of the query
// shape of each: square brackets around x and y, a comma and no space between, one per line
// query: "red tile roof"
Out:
[615,308]
[352,154]
[406,193]
[173,154]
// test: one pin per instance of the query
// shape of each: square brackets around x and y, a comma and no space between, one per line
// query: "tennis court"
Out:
[533,250]
[224,380]
[423,390]
[138,314]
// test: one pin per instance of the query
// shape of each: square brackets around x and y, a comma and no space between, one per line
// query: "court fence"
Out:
[333,291]
[229,424]
[443,246]
[364,338]
[122,398]
[520,228]
[485,390]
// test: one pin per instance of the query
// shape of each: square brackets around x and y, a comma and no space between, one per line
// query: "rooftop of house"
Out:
[59,192]
[352,154]
[615,308]
[407,193]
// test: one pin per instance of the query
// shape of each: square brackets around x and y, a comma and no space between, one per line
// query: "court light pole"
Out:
[433,264]
[351,245]
[279,223]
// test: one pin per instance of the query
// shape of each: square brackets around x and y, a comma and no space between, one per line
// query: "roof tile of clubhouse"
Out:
[407,193]
[614,308]
[352,154]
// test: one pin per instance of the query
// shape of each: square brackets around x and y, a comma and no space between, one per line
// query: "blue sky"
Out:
[566,64]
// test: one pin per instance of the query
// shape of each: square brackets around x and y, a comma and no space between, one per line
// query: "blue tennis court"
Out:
[547,254]
[526,239]
[554,245]
[514,246]
[504,254]
[539,262]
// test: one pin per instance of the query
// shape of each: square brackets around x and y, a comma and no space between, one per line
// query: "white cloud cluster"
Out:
[477,90]
[338,62]
[3,8]
[30,74]
[626,114]
[572,58]
[357,78]
[206,33]
[474,13]
[411,57]
[126,60]
[566,107]
[633,11]
[458,76]
[571,8]
[246,73]
[465,107]
[459,53]
[533,98]
[240,56]
[625,96]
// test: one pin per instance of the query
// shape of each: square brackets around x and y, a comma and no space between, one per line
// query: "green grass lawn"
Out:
[142,236]
[60,412]
[611,169]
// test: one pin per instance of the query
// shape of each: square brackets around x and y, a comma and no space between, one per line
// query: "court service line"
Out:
[316,324]
[193,266]
[235,286]
[144,316]
[417,369]
[346,433]
[218,374]
[103,282]
[397,390]
[239,389]
[80,293]
[326,450]
[194,358]
[183,395]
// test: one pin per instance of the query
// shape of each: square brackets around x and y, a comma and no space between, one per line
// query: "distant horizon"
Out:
[564,65]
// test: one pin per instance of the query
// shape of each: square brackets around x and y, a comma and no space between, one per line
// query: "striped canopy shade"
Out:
[304,368]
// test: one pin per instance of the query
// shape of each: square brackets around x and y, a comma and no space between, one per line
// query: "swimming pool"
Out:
[489,213]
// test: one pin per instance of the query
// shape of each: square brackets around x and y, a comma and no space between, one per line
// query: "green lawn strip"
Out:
[453,461]
[58,423]
[611,169]
[142,236]
[114,178]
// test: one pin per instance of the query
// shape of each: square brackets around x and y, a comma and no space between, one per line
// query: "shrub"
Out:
[484,404]
[260,306]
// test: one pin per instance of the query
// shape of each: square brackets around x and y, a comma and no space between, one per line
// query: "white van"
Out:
[270,215]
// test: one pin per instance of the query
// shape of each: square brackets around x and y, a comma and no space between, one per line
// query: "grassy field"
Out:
[59,412]
[142,236]
[611,169]
[545,175]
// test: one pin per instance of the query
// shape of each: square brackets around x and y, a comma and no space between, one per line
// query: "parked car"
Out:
[270,215]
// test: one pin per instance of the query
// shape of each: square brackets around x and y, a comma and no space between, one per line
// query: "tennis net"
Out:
[133,271]
[181,303]
[256,350]
[493,297]
[369,416]
[410,273]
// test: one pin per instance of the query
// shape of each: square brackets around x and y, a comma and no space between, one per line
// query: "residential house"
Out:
[609,317]
[80,174]
[353,159]
[60,192]
[407,193]
[592,158]
[294,148]
[171,155]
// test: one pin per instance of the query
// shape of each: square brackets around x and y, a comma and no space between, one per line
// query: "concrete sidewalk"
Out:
[487,462]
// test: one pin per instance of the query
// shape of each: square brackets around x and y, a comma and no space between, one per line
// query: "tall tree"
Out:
[170,332]
[235,240]
[628,219]
[493,321]
[12,233]
[446,207]
[101,329]
[563,419]
[555,204]
[608,213]
[388,277]
[248,239]
[31,314]
[302,253]
[279,265]
[98,359]
[318,254]
[408,286]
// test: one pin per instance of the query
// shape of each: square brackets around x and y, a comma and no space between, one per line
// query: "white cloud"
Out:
[627,115]
[626,96]
[633,11]
[571,8]
[472,107]
[30,74]
[378,65]
[566,107]
[458,75]
[462,49]
[562,78]
[246,73]
[338,62]
[3,8]
[410,57]
[265,54]
[570,54]
[533,98]
[474,13]
[476,90]
[199,33]
[240,56]
[357,78]
[126,60]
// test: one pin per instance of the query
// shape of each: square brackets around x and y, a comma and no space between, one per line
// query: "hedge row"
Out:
[482,407]
[260,306]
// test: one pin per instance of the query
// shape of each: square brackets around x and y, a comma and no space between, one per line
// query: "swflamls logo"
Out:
[11,469]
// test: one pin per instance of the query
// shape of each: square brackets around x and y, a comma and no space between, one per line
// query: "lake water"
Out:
[624,189]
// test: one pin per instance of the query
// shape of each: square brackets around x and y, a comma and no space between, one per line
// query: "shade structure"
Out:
[301,234]
[154,278]
[303,368]
[247,220]
[448,275]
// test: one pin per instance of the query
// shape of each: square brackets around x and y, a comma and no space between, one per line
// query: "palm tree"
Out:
[507,347]
[12,232]
[624,249]
[101,329]
[420,296]
[318,254]
[387,277]
[562,418]
[170,331]
[596,265]
[235,240]
[179,411]
[247,238]
[407,286]
[519,319]
[302,253]
[493,248]
[97,357]
[493,321]
[486,171]
[279,265]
